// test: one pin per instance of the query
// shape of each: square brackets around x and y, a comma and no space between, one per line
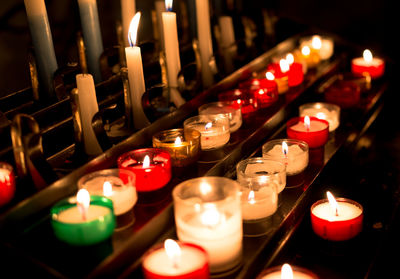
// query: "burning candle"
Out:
[295,74]
[214,130]
[280,73]
[243,98]
[322,44]
[7,183]
[175,259]
[374,66]
[135,75]
[183,145]
[128,8]
[151,166]
[91,35]
[208,213]
[265,90]
[336,219]
[88,107]
[326,111]
[84,219]
[205,41]
[172,57]
[43,44]
[287,272]
[312,130]
[309,56]
[224,109]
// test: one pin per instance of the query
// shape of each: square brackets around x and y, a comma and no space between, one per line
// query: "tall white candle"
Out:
[88,107]
[91,36]
[135,75]
[227,33]
[42,43]
[171,47]
[128,9]
[205,41]
[159,5]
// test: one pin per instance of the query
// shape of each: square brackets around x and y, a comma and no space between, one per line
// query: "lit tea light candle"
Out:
[214,130]
[281,73]
[175,260]
[264,90]
[374,66]
[208,213]
[115,184]
[182,145]
[7,183]
[310,56]
[151,166]
[312,130]
[322,44]
[84,219]
[326,111]
[295,75]
[226,109]
[243,98]
[287,272]
[336,219]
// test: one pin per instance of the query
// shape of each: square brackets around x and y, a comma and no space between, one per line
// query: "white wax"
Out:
[273,174]
[128,9]
[172,57]
[72,215]
[296,159]
[360,61]
[88,107]
[314,126]
[216,136]
[136,85]
[205,41]
[123,197]
[346,211]
[223,242]
[234,115]
[322,113]
[190,260]
[296,275]
[264,204]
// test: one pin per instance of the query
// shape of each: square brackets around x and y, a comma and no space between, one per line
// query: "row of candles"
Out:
[211,213]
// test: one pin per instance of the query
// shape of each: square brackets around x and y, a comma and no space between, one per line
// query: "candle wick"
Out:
[337,213]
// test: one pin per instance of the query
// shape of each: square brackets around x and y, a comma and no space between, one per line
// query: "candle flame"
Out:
[146,161]
[367,55]
[178,140]
[250,198]
[211,216]
[168,5]
[83,202]
[239,101]
[284,65]
[205,188]
[307,122]
[173,251]
[133,29]
[256,82]
[332,202]
[107,189]
[270,76]
[286,272]
[261,92]
[306,50]
[316,42]
[290,58]
[208,125]
[4,175]
[285,149]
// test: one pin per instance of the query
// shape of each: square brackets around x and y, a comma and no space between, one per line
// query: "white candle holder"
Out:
[214,130]
[325,48]
[296,158]
[227,109]
[261,180]
[208,213]
[326,111]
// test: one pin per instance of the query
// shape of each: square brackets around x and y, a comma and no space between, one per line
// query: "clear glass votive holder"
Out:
[327,111]
[208,213]
[227,109]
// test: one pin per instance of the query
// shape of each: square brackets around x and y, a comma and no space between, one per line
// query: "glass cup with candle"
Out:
[208,213]
[83,219]
[214,130]
[261,181]
[287,271]
[175,259]
[117,185]
[326,111]
[7,183]
[322,44]
[183,145]
[227,109]
[245,100]
[293,153]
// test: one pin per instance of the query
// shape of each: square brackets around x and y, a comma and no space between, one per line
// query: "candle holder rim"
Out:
[111,171]
[181,131]
[154,150]
[324,104]
[291,122]
[203,117]
[259,159]
[294,268]
[339,199]
[7,166]
[301,143]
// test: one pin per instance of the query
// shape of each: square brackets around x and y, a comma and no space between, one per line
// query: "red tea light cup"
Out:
[280,72]
[287,271]
[152,167]
[374,66]
[343,93]
[7,183]
[336,219]
[295,74]
[312,130]
[175,259]
[243,98]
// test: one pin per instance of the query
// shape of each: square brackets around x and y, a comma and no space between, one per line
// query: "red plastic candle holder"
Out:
[193,263]
[343,93]
[265,91]
[152,177]
[7,183]
[295,75]
[243,98]
[375,68]
[317,134]
[337,229]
